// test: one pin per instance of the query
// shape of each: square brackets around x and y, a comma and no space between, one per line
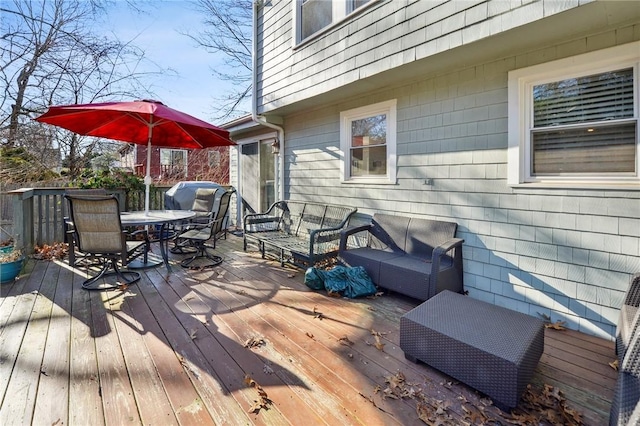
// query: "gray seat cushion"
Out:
[369,258]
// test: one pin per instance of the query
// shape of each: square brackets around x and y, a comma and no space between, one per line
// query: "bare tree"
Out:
[51,55]
[229,31]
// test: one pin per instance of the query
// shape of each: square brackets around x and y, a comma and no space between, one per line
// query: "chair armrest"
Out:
[260,222]
[263,219]
[445,247]
[344,235]
[436,256]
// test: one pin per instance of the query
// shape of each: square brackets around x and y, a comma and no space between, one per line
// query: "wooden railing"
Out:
[37,213]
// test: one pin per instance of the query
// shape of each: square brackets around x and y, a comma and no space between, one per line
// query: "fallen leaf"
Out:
[558,325]
[424,412]
[344,340]
[192,334]
[263,402]
[614,365]
[254,342]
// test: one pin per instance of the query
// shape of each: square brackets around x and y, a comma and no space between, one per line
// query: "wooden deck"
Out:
[245,343]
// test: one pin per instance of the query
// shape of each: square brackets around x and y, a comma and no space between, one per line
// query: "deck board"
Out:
[171,350]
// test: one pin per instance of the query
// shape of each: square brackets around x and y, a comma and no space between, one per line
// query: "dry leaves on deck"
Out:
[545,406]
[254,342]
[378,343]
[263,400]
[558,325]
[537,407]
[51,252]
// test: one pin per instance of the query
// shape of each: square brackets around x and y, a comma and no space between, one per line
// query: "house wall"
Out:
[386,35]
[197,164]
[566,253]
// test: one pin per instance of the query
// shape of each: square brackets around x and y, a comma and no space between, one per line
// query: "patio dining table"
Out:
[152,218]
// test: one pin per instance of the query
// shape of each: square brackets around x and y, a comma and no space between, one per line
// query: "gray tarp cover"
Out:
[181,195]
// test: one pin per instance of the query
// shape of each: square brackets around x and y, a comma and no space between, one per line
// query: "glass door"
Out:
[267,175]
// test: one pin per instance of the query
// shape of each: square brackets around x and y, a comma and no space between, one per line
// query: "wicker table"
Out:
[490,348]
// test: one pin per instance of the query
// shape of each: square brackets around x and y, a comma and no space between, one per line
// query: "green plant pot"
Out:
[10,270]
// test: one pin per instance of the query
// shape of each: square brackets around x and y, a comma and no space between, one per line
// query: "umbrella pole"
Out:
[147,178]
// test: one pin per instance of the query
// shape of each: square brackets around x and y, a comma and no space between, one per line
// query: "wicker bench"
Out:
[490,348]
[297,231]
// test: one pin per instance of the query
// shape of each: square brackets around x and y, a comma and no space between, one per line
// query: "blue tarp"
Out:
[351,282]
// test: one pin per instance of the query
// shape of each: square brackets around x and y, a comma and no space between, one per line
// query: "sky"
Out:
[157,32]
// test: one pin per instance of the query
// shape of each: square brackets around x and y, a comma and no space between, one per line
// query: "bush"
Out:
[116,179]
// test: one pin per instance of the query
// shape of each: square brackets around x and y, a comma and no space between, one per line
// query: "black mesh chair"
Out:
[198,238]
[98,234]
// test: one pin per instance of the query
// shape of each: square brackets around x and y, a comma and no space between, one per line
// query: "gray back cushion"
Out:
[389,232]
[423,235]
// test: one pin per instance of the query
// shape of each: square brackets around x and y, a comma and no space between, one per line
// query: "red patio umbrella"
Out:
[142,122]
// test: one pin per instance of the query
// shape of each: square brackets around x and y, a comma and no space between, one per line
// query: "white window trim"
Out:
[520,86]
[388,108]
[339,8]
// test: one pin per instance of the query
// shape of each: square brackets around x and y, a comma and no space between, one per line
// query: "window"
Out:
[576,120]
[173,163]
[214,158]
[315,15]
[368,143]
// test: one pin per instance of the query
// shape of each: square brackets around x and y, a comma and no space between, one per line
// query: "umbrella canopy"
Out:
[141,122]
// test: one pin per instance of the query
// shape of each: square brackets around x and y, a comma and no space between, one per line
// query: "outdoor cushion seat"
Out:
[412,256]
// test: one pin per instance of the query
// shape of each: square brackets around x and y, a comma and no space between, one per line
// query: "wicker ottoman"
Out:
[492,349]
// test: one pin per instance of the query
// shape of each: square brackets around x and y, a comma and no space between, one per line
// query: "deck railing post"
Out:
[23,219]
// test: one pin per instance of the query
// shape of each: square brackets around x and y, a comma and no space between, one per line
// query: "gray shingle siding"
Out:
[566,253]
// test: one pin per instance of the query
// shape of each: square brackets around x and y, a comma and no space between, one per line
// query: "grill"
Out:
[181,195]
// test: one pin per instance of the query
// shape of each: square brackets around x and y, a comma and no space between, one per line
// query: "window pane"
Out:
[369,161]
[214,159]
[603,149]
[354,4]
[316,14]
[369,131]
[599,97]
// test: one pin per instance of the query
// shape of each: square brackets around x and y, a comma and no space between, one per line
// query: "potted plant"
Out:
[11,261]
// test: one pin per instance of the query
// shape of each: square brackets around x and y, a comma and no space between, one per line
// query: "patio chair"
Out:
[203,205]
[67,224]
[99,234]
[198,237]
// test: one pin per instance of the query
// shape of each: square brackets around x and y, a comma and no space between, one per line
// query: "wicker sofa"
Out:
[299,232]
[415,257]
[625,408]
